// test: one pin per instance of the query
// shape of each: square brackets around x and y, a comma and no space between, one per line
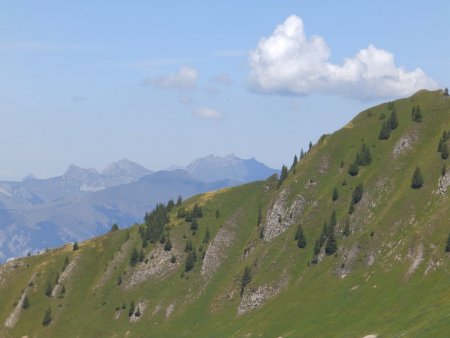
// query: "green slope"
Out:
[389,277]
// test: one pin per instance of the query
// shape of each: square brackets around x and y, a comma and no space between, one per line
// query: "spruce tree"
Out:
[131,309]
[25,303]
[443,170]
[335,195]
[440,145]
[302,154]
[134,259]
[114,227]
[283,175]
[49,289]
[347,230]
[217,214]
[194,224]
[317,247]
[417,115]
[173,259]
[447,247]
[260,216]
[141,255]
[385,131]
[119,280]
[301,240]
[331,246]
[47,317]
[75,246]
[294,164]
[364,157]
[393,120]
[353,169]
[446,92]
[246,279]
[190,261]
[207,236]
[179,201]
[444,151]
[168,245]
[417,179]
[138,312]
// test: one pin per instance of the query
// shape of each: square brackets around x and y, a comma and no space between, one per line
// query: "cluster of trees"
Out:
[300,238]
[363,158]
[416,114]
[284,169]
[155,222]
[388,125]
[442,146]
[327,237]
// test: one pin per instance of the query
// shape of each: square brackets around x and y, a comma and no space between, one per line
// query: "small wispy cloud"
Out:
[208,114]
[184,79]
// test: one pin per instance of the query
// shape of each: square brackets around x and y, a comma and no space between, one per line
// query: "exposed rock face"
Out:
[416,256]
[404,144]
[170,309]
[444,183]
[254,299]
[280,216]
[68,271]
[217,250]
[139,311]
[158,266]
[15,314]
[348,261]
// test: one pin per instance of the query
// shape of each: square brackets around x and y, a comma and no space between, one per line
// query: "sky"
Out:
[165,82]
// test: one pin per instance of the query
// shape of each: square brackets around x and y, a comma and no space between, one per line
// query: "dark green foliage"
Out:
[162,240]
[445,136]
[246,279]
[444,151]
[302,154]
[357,194]
[47,317]
[173,259]
[168,245]
[331,246]
[317,247]
[63,290]
[446,92]
[155,222]
[179,201]
[382,116]
[333,220]
[417,179]
[300,237]
[217,214]
[207,236]
[416,114]
[197,211]
[385,131]
[25,303]
[190,261]
[124,306]
[441,143]
[364,157]
[390,106]
[335,195]
[48,289]
[188,247]
[114,227]
[393,120]
[75,246]
[131,309]
[294,164]
[134,259]
[310,145]
[347,230]
[181,213]
[443,170]
[57,278]
[141,255]
[119,280]
[194,224]
[138,312]
[283,175]
[260,216]
[447,246]
[170,205]
[353,170]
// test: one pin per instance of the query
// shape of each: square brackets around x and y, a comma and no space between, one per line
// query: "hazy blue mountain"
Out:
[37,213]
[213,168]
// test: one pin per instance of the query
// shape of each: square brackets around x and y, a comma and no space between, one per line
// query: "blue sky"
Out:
[163,83]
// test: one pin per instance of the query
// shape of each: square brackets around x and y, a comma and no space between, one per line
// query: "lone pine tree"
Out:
[417,179]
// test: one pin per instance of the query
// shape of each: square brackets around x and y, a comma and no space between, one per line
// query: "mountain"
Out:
[213,168]
[84,203]
[346,244]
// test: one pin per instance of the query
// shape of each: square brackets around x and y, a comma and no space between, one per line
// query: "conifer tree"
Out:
[284,174]
[173,259]
[246,279]
[168,245]
[47,317]
[49,289]
[443,170]
[260,216]
[138,312]
[119,280]
[335,195]
[364,157]
[385,131]
[393,120]
[301,240]
[357,194]
[190,261]
[25,303]
[134,259]
[417,179]
[444,151]
[331,246]
[179,201]
[446,92]
[317,247]
[353,169]
[347,230]
[75,246]
[310,145]
[417,114]
[114,227]
[131,309]
[447,247]
[441,143]
[217,214]
[207,236]
[302,154]
[294,164]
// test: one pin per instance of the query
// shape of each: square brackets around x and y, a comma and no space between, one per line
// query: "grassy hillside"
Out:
[389,276]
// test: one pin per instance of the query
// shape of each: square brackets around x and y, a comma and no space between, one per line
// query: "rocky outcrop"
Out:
[254,299]
[416,256]
[65,275]
[404,144]
[348,259]
[157,264]
[217,250]
[170,309]
[444,183]
[280,216]
[139,310]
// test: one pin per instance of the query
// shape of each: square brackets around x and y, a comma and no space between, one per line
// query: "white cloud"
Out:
[185,78]
[289,62]
[208,113]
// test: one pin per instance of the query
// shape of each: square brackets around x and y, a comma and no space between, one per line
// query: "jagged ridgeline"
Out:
[351,240]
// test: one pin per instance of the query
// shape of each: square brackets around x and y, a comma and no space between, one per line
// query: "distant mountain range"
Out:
[40,213]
